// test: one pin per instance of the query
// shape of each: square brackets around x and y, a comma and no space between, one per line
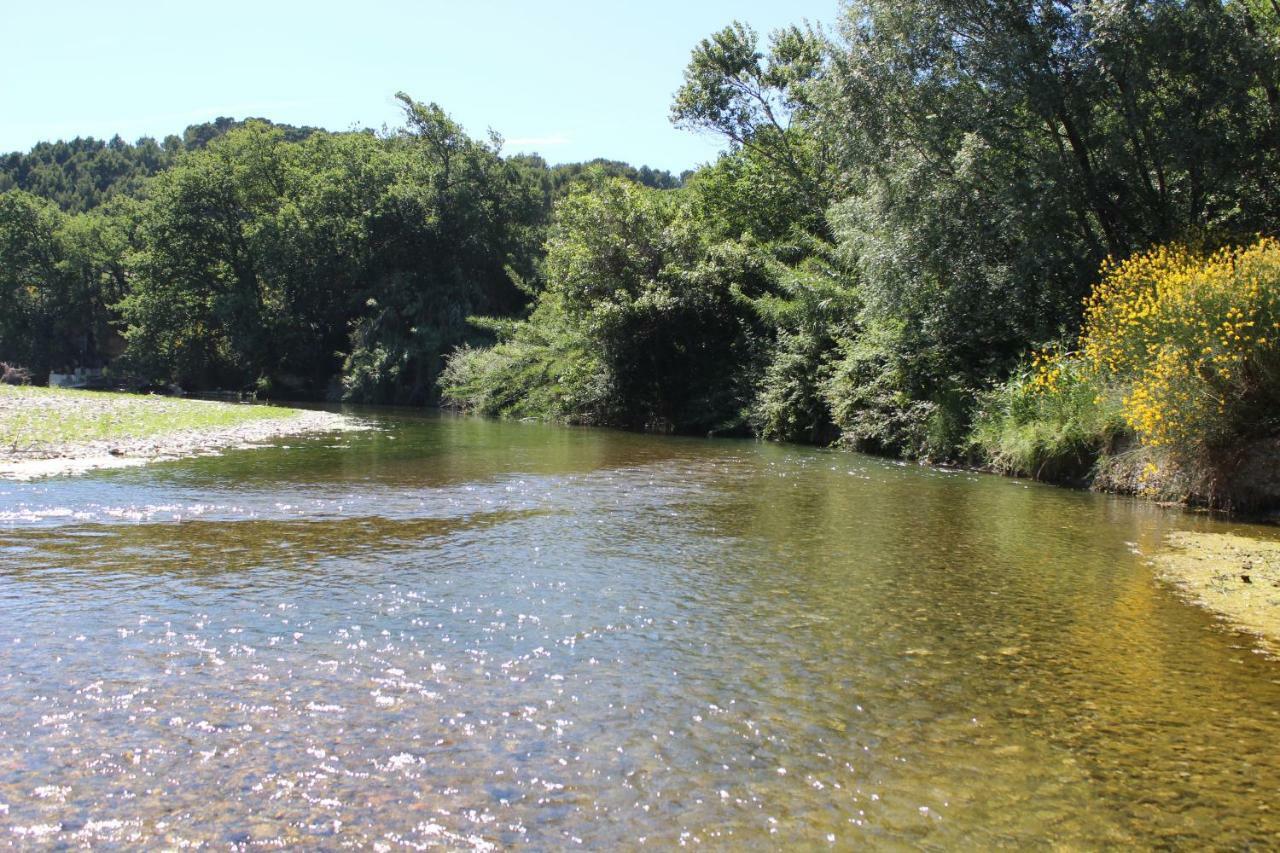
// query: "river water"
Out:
[463,633]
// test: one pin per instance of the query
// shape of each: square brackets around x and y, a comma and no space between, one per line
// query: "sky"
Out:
[569,79]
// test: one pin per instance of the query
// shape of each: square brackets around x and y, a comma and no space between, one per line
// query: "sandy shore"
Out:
[49,458]
[1235,577]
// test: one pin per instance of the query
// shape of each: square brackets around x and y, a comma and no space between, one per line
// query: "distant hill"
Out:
[658,179]
[83,173]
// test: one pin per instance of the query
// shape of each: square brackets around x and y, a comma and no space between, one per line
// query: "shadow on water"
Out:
[214,549]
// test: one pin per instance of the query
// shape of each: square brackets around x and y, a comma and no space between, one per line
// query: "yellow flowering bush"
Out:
[1052,370]
[1194,340]
[1178,348]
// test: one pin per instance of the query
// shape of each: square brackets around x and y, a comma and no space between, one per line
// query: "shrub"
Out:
[534,373]
[637,325]
[881,405]
[1178,347]
[1194,339]
[1050,420]
[789,404]
[11,374]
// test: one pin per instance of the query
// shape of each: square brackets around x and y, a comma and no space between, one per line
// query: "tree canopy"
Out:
[907,203]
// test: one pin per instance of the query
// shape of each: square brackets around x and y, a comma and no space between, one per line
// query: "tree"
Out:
[996,152]
[638,325]
[56,272]
[763,103]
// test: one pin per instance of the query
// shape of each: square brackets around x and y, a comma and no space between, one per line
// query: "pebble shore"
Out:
[36,456]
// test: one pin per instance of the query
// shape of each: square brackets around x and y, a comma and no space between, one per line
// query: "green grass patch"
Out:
[32,417]
[1050,430]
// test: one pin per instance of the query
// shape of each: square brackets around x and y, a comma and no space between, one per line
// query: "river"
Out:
[457,632]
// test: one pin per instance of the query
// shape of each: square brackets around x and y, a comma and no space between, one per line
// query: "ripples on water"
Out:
[460,633]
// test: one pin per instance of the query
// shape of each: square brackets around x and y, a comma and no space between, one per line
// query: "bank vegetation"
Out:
[1031,236]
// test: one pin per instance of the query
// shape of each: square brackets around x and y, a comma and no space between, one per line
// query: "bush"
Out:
[1194,339]
[1049,421]
[11,374]
[789,403]
[637,326]
[1177,347]
[882,403]
[532,374]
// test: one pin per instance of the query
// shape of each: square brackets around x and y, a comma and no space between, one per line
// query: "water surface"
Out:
[462,633]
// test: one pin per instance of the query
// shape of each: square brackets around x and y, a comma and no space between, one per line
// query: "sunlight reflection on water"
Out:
[487,634]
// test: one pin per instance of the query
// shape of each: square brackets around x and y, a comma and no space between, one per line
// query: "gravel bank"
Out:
[135,430]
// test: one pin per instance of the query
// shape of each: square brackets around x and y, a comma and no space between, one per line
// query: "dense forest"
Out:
[1031,235]
[288,261]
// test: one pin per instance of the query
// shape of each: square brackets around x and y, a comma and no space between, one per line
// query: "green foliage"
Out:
[85,173]
[288,260]
[82,174]
[911,205]
[279,264]
[811,305]
[58,273]
[789,404]
[764,104]
[1178,353]
[904,208]
[458,227]
[564,175]
[1054,431]
[637,326]
[30,288]
[876,403]
[996,153]
[743,196]
[541,368]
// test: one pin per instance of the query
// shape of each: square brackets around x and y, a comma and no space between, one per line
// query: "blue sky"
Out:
[568,78]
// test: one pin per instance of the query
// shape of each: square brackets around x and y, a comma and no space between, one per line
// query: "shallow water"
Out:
[458,632]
